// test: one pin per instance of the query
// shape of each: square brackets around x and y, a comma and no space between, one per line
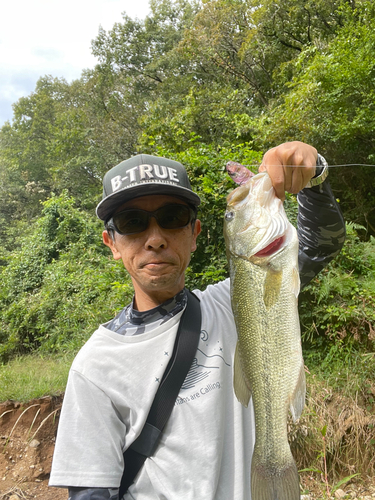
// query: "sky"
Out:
[50,37]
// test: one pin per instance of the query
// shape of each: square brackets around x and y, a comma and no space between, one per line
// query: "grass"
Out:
[15,491]
[34,376]
[334,440]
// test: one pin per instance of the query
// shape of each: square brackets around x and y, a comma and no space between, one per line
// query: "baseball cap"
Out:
[143,175]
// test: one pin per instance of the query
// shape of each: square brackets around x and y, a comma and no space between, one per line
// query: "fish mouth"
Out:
[272,248]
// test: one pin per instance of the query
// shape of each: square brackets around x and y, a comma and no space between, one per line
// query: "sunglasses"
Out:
[135,220]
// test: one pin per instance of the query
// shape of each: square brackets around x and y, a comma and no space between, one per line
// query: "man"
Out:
[205,450]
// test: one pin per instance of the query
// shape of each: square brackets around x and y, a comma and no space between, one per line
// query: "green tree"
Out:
[331,105]
[237,56]
[24,150]
[63,137]
[45,148]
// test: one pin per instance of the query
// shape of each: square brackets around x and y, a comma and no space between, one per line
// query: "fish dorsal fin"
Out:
[272,286]
[241,385]
[298,398]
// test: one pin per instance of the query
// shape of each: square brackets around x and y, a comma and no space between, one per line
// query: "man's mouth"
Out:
[155,264]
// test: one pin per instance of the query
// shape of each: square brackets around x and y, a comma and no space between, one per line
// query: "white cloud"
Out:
[41,37]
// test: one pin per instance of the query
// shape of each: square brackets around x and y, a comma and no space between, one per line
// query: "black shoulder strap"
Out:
[182,357]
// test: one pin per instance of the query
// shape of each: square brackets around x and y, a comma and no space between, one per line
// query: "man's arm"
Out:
[88,451]
[321,226]
[321,230]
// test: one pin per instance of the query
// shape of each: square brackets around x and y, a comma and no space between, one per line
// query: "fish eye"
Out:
[229,216]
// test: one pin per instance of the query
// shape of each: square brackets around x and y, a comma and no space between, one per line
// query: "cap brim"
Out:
[109,205]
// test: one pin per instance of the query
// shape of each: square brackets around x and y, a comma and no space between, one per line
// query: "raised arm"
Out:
[292,167]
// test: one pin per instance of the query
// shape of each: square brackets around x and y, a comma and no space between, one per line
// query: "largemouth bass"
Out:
[262,249]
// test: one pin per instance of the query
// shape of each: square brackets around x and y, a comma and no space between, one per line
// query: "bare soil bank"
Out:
[27,439]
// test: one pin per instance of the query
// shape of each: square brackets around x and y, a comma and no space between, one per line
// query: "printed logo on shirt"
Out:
[203,366]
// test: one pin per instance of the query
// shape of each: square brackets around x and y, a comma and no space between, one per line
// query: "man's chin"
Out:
[163,282]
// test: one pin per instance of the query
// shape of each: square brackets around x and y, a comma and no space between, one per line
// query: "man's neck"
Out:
[145,302]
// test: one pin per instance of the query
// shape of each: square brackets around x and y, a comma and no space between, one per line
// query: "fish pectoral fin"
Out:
[298,398]
[296,284]
[272,286]
[241,386]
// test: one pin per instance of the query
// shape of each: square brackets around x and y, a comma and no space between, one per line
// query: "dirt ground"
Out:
[27,439]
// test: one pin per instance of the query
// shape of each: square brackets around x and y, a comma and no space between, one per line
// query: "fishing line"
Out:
[329,166]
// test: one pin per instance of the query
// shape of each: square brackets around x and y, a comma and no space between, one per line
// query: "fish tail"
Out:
[269,484]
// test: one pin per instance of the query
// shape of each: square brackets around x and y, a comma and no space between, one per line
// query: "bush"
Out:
[59,283]
[337,309]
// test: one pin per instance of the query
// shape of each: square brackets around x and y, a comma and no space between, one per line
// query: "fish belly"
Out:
[269,367]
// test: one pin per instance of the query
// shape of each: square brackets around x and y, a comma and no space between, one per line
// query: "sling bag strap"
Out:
[185,347]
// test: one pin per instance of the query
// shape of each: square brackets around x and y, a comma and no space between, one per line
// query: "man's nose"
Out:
[155,235]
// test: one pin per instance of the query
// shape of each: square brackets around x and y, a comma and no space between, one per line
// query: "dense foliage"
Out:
[337,309]
[203,83]
[58,282]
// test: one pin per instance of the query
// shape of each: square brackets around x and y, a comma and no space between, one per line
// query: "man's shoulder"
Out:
[87,349]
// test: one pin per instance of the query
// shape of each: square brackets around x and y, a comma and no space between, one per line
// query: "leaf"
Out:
[311,469]
[343,481]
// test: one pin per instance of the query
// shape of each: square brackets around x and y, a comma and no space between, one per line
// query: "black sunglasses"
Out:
[136,220]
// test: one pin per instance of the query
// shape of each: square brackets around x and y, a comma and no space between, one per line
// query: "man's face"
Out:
[156,258]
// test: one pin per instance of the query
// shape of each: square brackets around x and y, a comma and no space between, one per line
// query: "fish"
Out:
[262,251]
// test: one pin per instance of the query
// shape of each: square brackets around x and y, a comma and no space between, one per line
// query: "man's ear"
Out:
[109,242]
[197,229]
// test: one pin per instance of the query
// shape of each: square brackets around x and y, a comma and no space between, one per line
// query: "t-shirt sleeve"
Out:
[218,294]
[93,494]
[90,439]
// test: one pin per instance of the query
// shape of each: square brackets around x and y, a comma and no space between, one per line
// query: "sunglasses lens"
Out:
[131,221]
[173,216]
[135,220]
